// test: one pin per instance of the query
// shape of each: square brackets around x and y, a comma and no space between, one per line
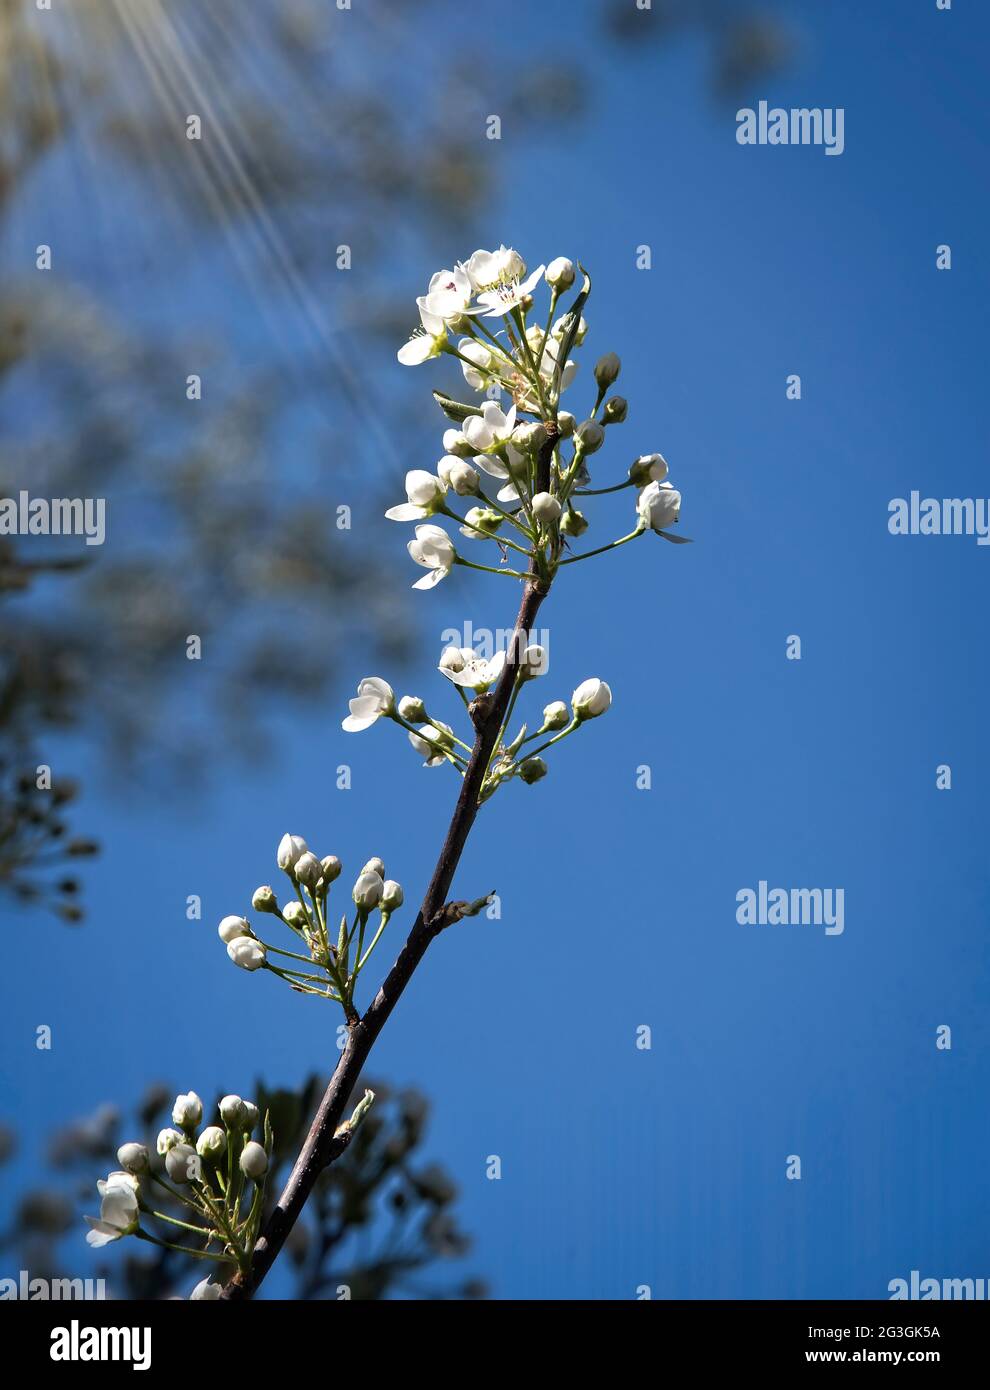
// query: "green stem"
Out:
[572,559]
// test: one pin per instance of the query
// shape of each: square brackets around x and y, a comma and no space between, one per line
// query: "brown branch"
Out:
[318,1150]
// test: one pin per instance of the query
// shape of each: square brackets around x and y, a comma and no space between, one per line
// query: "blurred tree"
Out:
[379,1220]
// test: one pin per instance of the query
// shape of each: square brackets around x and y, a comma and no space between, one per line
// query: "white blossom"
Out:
[212,1143]
[560,274]
[247,953]
[375,697]
[458,474]
[206,1289]
[167,1139]
[491,428]
[434,550]
[659,506]
[429,742]
[367,891]
[187,1110]
[232,1111]
[591,699]
[424,492]
[232,927]
[133,1158]
[470,670]
[254,1160]
[448,295]
[119,1211]
[498,278]
[546,508]
[426,341]
[182,1163]
[290,847]
[392,895]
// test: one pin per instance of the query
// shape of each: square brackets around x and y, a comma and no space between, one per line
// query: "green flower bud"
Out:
[532,770]
[573,523]
[264,900]
[615,410]
[607,368]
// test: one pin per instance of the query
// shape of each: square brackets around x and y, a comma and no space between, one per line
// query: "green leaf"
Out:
[455,410]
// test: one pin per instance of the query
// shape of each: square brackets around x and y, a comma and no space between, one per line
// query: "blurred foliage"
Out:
[746,42]
[380,1219]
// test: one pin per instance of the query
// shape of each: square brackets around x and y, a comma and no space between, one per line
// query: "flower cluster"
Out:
[469,671]
[332,966]
[216,1175]
[540,463]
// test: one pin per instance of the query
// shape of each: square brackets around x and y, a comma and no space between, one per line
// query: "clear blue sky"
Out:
[666,1167]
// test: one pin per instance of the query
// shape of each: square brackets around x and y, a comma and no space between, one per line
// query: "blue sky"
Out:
[623,1167]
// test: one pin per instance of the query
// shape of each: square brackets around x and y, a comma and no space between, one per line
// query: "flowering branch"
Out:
[533,365]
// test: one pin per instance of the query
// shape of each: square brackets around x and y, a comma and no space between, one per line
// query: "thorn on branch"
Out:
[454,912]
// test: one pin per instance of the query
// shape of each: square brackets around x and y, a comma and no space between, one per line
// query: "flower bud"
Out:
[367,891]
[607,368]
[254,1160]
[530,437]
[455,443]
[574,523]
[375,866]
[560,274]
[232,927]
[556,715]
[247,953]
[167,1139]
[251,1116]
[264,900]
[133,1158]
[290,847]
[309,870]
[481,520]
[182,1163]
[546,508]
[330,869]
[232,1112]
[212,1143]
[532,770]
[296,915]
[589,437]
[187,1110]
[412,709]
[648,468]
[534,662]
[535,338]
[460,476]
[615,410]
[566,423]
[392,896]
[591,699]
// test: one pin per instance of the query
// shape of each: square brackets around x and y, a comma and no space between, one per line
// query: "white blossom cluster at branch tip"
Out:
[532,513]
[215,1179]
[330,962]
